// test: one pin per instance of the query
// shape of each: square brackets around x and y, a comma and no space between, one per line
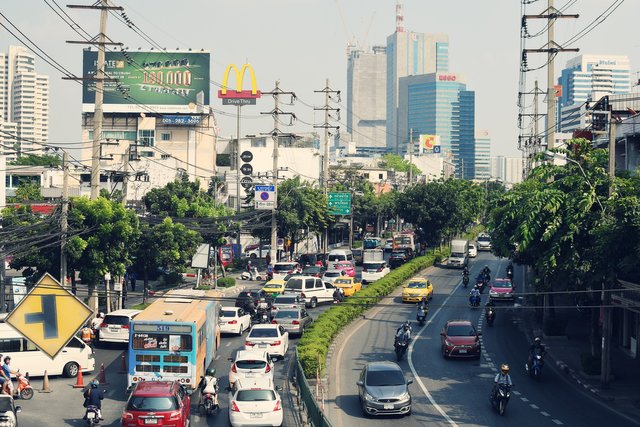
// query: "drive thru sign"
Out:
[49,316]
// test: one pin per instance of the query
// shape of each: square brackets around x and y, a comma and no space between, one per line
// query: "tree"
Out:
[183,199]
[398,164]
[28,191]
[47,160]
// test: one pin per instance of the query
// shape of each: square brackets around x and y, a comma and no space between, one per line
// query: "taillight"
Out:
[175,416]
[103,325]
[233,369]
[278,407]
[233,322]
[127,415]
[302,295]
[275,343]
[234,407]
[125,326]
[266,371]
[249,344]
[274,322]
[295,322]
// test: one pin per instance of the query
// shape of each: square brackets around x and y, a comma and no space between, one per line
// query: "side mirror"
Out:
[442,334]
[230,359]
[359,383]
[278,388]
[18,408]
[189,391]
[409,382]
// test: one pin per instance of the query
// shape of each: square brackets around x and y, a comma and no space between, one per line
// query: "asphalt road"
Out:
[455,392]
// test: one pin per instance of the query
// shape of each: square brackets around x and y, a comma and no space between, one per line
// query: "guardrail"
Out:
[310,405]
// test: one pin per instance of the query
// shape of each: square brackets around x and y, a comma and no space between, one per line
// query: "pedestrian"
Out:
[267,259]
[132,278]
[85,335]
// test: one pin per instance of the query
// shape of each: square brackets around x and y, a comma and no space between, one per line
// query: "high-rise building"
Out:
[482,155]
[366,98]
[24,99]
[410,53]
[589,78]
[439,104]
[507,169]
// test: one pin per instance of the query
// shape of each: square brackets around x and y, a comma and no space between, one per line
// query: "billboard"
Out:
[172,82]
[239,97]
[430,144]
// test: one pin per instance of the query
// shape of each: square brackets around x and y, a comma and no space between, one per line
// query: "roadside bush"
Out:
[226,282]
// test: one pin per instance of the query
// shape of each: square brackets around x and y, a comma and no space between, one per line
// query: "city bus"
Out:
[175,338]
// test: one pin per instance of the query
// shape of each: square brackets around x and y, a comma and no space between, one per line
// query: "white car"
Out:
[473,251]
[250,364]
[255,402]
[234,320]
[331,275]
[254,253]
[115,326]
[372,271]
[271,338]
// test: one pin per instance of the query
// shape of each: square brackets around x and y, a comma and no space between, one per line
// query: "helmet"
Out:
[94,383]
[406,325]
[537,340]
[504,368]
[101,314]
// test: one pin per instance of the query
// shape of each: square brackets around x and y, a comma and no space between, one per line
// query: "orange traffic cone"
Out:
[123,365]
[102,377]
[80,381]
[45,383]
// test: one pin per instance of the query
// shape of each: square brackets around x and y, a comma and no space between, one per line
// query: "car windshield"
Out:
[285,300]
[505,284]
[255,396]
[417,285]
[484,239]
[5,404]
[250,364]
[342,282]
[372,265]
[397,254]
[472,246]
[116,320]
[287,314]
[332,274]
[311,270]
[460,331]
[228,313]
[274,285]
[283,267]
[152,404]
[264,333]
[294,284]
[385,378]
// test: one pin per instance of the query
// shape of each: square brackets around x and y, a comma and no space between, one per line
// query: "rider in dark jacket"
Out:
[93,396]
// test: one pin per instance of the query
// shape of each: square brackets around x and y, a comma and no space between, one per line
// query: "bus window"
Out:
[10,345]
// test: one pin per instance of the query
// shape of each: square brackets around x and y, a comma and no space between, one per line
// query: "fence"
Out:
[310,405]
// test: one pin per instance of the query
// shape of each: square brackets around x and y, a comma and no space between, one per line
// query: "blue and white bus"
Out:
[175,338]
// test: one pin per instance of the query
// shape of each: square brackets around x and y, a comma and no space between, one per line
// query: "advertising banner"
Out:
[174,82]
[430,143]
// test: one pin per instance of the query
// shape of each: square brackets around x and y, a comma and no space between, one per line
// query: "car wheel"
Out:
[314,302]
[71,370]
[253,256]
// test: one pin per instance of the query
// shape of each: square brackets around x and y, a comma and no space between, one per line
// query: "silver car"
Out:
[383,390]
[293,320]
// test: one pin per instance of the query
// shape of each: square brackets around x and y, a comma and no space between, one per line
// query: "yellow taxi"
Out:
[274,286]
[416,288]
[348,285]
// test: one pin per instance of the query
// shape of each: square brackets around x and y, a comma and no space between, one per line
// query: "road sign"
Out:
[246,156]
[280,244]
[246,182]
[238,101]
[339,203]
[49,316]
[246,169]
[265,197]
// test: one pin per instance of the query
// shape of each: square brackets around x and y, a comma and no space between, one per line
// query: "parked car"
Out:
[313,270]
[234,320]
[274,339]
[383,389]
[331,275]
[115,326]
[460,339]
[294,320]
[417,288]
[311,290]
[502,289]
[473,250]
[8,411]
[255,402]
[285,301]
[168,403]
[349,285]
[372,271]
[347,266]
[250,364]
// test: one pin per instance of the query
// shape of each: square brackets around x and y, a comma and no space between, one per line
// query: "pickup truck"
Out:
[311,290]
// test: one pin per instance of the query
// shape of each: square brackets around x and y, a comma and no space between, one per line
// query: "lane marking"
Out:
[228,344]
[545,414]
[524,399]
[413,369]
[557,421]
[534,406]
[517,393]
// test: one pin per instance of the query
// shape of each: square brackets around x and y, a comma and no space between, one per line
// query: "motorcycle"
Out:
[209,393]
[261,315]
[490,315]
[401,346]
[421,317]
[465,280]
[535,370]
[24,391]
[92,415]
[500,399]
[474,301]
[480,283]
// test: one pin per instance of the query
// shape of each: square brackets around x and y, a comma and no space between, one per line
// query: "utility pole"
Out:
[325,157]
[276,134]
[64,219]
[551,14]
[238,160]
[410,156]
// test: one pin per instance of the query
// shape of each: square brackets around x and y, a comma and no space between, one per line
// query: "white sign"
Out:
[117,286]
[265,197]
[201,257]
[19,289]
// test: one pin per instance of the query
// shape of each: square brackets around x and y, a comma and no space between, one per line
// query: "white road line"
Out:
[228,344]
[413,369]
[557,421]
[517,393]
[534,406]
[524,399]
[545,414]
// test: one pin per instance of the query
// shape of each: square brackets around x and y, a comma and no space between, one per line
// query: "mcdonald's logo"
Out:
[239,93]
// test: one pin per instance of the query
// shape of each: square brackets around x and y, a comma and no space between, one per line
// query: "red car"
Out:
[347,267]
[162,403]
[460,339]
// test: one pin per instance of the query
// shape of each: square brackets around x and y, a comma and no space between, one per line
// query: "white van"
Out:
[26,357]
[339,255]
[115,326]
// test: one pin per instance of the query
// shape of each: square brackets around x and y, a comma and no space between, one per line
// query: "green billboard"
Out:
[161,81]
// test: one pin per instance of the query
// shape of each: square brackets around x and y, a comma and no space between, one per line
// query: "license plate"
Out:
[262,346]
[462,351]
[114,329]
[250,375]
[151,421]
[388,406]
[255,415]
[91,415]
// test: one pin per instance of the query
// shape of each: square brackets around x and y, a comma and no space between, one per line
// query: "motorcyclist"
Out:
[486,270]
[465,271]
[423,307]
[337,295]
[250,307]
[403,331]
[474,295]
[536,347]
[97,321]
[93,397]
[209,384]
[501,377]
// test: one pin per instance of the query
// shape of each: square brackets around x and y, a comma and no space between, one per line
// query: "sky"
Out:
[303,42]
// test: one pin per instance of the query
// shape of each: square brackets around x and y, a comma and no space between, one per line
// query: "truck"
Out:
[405,240]
[484,242]
[372,255]
[459,253]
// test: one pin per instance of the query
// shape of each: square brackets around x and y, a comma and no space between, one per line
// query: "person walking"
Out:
[132,279]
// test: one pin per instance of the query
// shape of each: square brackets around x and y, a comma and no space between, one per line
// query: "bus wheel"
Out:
[71,370]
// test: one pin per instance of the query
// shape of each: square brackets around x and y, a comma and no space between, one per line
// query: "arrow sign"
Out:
[246,169]
[246,156]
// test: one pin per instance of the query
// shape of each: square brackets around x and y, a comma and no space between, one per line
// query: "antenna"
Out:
[399,16]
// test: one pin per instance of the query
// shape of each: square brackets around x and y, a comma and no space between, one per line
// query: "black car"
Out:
[257,295]
[397,258]
[313,270]
[312,259]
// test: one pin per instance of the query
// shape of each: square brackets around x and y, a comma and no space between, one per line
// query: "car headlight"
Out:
[368,397]
[448,343]
[404,396]
[493,293]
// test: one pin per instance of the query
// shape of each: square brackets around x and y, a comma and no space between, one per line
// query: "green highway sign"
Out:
[339,203]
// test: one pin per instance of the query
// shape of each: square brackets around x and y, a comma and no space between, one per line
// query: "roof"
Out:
[124,312]
[153,388]
[383,366]
[459,322]
[258,382]
[177,306]
[251,355]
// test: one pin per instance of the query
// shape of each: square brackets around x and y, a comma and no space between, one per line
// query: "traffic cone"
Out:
[102,377]
[123,365]
[45,383]
[79,380]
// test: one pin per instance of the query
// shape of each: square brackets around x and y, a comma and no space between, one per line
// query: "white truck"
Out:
[459,253]
[311,290]
[372,255]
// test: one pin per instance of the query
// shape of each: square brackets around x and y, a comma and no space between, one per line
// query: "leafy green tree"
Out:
[398,164]
[183,199]
[27,192]
[48,160]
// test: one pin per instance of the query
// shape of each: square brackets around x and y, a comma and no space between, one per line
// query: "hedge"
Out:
[314,344]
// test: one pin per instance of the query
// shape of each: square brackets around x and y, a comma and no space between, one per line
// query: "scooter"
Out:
[500,399]
[465,280]
[92,415]
[209,393]
[491,316]
[421,317]
[474,301]
[535,370]
[24,391]
[401,346]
